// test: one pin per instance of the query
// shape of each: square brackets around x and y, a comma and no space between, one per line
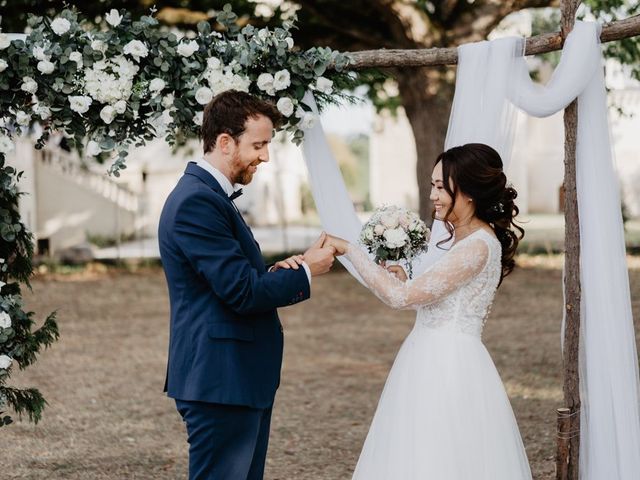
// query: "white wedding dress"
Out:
[444,413]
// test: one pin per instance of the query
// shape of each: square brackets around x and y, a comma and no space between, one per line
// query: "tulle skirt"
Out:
[443,415]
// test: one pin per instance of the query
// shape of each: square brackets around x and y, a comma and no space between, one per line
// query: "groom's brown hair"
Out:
[228,113]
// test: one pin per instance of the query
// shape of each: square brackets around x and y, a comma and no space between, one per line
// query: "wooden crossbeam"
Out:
[548,42]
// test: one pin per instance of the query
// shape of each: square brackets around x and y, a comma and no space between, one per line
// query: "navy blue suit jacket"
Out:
[226,339]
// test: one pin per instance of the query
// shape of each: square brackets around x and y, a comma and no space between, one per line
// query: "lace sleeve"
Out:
[457,267]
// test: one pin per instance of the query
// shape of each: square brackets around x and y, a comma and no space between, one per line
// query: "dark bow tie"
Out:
[235,194]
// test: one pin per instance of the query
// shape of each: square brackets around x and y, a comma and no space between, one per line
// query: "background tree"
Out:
[425,93]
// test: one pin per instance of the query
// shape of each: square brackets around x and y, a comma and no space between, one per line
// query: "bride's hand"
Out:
[340,245]
[397,271]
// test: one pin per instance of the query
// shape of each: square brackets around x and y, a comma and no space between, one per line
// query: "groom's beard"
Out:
[245,175]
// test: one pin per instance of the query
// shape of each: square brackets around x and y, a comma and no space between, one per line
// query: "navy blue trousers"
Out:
[226,442]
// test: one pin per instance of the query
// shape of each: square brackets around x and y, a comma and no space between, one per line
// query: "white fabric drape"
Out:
[492,77]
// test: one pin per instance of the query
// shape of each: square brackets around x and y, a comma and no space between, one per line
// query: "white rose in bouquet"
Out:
[77,58]
[186,49]
[46,67]
[204,95]
[60,26]
[29,85]
[281,80]
[5,362]
[157,85]
[120,106]
[108,114]
[390,220]
[5,320]
[136,49]
[99,46]
[324,85]
[285,106]
[80,103]
[265,83]
[379,230]
[395,238]
[113,18]
[23,118]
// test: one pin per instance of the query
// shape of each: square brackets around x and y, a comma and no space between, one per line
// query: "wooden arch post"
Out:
[568,418]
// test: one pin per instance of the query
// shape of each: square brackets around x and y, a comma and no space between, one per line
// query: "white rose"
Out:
[93,148]
[197,118]
[113,18]
[395,238]
[379,230]
[204,95]
[3,65]
[307,121]
[389,220]
[23,118]
[281,80]
[42,111]
[214,63]
[167,101]
[76,57]
[99,46]
[5,319]
[186,49]
[265,83]
[4,41]
[136,49]
[60,26]
[5,362]
[108,114]
[285,106]
[404,220]
[80,104]
[289,41]
[157,85]
[120,106]
[38,53]
[29,85]
[324,85]
[6,146]
[46,67]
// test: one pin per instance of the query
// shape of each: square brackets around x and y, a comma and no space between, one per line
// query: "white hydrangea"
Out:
[23,118]
[108,114]
[113,18]
[281,80]
[186,49]
[157,85]
[265,83]
[46,67]
[80,103]
[197,118]
[93,148]
[42,111]
[6,145]
[5,319]
[3,65]
[395,238]
[285,106]
[204,95]
[136,49]
[5,362]
[112,83]
[4,41]
[222,79]
[99,46]
[29,85]
[120,106]
[60,26]
[76,57]
[324,85]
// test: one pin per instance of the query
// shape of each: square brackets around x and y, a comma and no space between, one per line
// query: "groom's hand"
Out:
[288,263]
[318,258]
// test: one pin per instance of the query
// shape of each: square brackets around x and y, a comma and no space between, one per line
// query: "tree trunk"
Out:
[426,97]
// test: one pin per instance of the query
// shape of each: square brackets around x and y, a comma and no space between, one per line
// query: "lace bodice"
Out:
[455,293]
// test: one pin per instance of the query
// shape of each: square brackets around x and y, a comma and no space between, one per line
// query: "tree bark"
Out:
[426,97]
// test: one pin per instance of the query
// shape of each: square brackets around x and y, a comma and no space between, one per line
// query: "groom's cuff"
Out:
[307,271]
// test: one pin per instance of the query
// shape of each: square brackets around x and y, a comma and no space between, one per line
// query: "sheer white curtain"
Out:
[492,77]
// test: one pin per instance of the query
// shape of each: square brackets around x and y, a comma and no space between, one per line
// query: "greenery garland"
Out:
[122,83]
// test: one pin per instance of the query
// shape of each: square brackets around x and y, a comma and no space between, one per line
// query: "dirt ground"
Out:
[108,418]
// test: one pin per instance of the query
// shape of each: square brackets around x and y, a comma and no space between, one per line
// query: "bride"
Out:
[444,413]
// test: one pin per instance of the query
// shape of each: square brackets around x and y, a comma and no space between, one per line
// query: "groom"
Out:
[226,340]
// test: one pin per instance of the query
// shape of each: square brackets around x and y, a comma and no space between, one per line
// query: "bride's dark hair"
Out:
[475,169]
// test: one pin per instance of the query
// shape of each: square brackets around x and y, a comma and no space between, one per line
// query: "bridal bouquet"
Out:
[395,233]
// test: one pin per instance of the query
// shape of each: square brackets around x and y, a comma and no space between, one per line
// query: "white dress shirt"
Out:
[228,188]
